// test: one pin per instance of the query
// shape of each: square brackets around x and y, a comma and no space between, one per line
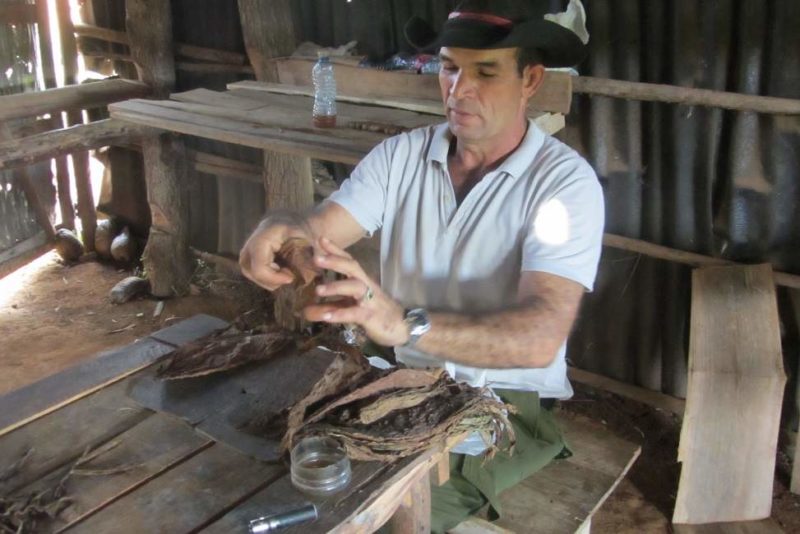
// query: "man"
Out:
[491,233]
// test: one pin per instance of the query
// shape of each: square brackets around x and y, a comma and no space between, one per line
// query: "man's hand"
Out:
[257,258]
[357,299]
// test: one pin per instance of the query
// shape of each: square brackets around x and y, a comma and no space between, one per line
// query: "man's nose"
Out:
[460,85]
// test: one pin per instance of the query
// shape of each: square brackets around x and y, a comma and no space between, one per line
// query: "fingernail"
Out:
[328,316]
[321,289]
[321,259]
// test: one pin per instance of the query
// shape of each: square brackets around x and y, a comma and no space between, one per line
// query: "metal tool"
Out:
[285,519]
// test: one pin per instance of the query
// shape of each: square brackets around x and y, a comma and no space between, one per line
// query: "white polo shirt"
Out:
[541,210]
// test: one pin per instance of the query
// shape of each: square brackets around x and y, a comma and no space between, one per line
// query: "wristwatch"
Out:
[418,324]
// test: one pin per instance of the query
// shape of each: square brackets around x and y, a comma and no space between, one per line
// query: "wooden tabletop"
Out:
[254,115]
[149,472]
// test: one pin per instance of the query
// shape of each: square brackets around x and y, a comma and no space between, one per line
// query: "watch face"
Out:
[418,322]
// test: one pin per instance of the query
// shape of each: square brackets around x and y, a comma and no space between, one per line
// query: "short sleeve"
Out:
[364,193]
[565,235]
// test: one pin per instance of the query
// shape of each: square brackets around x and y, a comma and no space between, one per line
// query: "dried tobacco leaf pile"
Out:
[405,411]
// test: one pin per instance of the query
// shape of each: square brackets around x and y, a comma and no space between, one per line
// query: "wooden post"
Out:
[80,160]
[166,256]
[268,32]
[149,27]
[413,516]
[48,69]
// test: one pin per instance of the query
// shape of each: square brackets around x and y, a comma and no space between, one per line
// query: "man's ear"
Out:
[532,78]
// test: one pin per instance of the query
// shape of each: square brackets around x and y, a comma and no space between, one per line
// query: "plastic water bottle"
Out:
[324,93]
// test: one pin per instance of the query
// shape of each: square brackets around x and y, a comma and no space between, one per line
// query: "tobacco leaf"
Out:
[226,350]
[398,379]
[297,255]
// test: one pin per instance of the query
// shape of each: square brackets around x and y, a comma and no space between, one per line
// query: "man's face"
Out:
[483,92]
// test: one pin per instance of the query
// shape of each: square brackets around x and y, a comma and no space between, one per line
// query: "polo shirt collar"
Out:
[515,164]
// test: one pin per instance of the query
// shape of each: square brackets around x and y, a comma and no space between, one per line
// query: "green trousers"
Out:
[475,481]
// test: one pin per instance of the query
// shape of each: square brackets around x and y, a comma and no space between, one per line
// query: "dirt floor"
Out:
[53,316]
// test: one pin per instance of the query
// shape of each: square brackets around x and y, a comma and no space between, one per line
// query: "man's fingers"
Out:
[346,266]
[343,288]
[331,313]
[329,247]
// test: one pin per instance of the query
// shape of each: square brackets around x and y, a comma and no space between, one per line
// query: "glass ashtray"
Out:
[320,465]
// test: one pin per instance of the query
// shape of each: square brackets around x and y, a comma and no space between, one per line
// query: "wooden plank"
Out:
[688,258]
[289,111]
[225,167]
[476,525]
[764,526]
[375,491]
[555,94]
[433,107]
[794,302]
[149,449]
[27,150]
[736,381]
[65,434]
[188,497]
[49,394]
[687,96]
[659,401]
[564,495]
[230,131]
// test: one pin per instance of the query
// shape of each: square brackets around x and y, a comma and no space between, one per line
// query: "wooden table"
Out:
[154,473]
[251,114]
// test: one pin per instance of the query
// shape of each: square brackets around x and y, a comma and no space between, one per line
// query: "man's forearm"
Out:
[524,337]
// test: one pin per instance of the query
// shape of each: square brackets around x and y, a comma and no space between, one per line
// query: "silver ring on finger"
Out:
[367,296]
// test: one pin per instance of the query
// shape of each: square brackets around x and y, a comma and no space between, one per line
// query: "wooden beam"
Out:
[555,94]
[655,399]
[211,55]
[181,49]
[27,150]
[149,27]
[166,255]
[689,258]
[687,96]
[18,13]
[213,68]
[735,393]
[223,167]
[71,98]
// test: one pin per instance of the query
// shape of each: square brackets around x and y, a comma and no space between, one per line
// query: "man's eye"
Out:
[486,74]
[449,68]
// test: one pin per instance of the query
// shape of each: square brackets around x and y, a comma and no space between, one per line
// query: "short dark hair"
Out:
[528,56]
